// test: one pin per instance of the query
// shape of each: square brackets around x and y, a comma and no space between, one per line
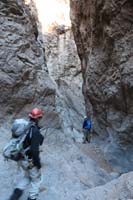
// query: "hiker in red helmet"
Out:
[31,161]
[35,114]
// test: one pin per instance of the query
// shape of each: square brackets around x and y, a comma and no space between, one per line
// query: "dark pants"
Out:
[87,135]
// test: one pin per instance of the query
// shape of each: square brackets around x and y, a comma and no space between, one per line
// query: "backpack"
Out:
[14,148]
[87,124]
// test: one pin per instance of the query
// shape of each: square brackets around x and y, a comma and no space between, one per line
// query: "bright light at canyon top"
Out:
[52,13]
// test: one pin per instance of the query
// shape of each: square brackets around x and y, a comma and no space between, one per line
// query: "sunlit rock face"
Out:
[24,81]
[39,64]
[63,64]
[51,13]
[103,33]
[64,68]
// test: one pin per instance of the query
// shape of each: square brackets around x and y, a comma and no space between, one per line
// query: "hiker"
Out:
[86,129]
[30,162]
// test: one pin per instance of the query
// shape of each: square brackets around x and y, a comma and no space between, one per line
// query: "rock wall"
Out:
[64,68]
[24,78]
[63,64]
[39,69]
[21,58]
[103,33]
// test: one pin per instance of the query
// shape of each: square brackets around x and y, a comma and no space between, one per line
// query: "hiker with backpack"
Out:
[87,129]
[24,148]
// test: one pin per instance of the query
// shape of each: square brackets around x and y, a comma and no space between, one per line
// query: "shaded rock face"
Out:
[103,33]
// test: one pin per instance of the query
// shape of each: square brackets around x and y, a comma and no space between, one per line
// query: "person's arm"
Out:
[35,143]
[84,124]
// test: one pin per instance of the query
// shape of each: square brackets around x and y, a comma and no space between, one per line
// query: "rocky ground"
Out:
[70,171]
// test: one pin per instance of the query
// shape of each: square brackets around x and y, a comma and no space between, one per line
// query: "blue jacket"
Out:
[87,124]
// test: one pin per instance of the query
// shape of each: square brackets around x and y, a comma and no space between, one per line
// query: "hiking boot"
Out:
[88,140]
[84,142]
[17,193]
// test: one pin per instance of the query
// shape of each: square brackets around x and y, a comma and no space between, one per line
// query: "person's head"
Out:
[36,114]
[85,117]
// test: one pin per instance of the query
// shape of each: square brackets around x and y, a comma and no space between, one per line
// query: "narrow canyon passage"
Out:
[70,58]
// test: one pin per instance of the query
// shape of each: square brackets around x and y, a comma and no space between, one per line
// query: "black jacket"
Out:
[33,140]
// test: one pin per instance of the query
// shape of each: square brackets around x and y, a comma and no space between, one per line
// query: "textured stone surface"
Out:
[120,188]
[25,76]
[103,33]
[24,81]
[64,68]
[21,57]
[63,65]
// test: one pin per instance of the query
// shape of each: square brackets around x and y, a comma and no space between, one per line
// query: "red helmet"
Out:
[35,113]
